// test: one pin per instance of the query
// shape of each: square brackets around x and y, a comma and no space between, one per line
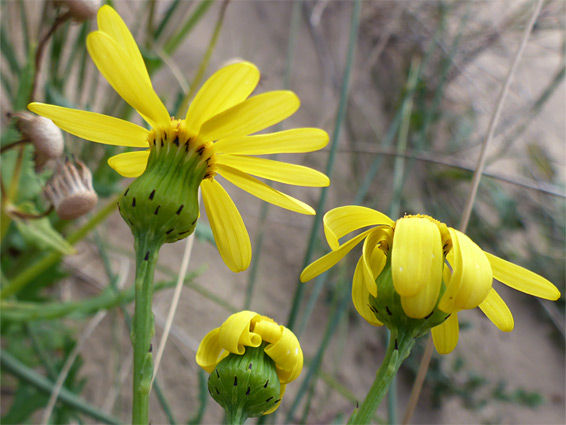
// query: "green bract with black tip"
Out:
[163,201]
[245,385]
[388,309]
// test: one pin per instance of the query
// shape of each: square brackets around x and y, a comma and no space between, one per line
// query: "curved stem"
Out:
[398,350]
[147,252]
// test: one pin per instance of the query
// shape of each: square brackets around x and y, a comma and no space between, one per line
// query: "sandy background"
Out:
[529,357]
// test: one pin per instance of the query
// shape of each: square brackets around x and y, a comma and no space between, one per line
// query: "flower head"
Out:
[181,155]
[417,272]
[255,354]
[46,138]
[70,190]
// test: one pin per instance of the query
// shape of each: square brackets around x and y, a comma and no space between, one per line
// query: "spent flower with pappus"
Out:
[250,359]
[418,273]
[183,155]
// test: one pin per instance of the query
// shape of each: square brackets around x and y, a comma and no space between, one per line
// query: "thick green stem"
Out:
[147,252]
[398,350]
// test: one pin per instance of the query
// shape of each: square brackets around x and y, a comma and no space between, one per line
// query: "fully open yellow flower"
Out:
[217,128]
[433,267]
[249,329]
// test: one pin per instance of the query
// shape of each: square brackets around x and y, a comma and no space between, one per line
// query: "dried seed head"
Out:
[81,10]
[46,137]
[70,190]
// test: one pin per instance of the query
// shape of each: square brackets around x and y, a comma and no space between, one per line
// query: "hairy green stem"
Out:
[400,344]
[147,252]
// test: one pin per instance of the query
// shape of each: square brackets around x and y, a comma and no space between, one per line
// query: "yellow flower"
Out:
[433,269]
[249,329]
[216,130]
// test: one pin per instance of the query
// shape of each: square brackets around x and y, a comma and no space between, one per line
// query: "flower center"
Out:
[175,140]
[442,228]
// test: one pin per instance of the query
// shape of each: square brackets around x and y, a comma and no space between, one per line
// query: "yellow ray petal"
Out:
[287,355]
[94,127]
[497,311]
[250,116]
[445,335]
[275,170]
[225,88]
[324,263]
[209,350]
[267,329]
[129,164]
[340,221]
[421,305]
[416,256]
[471,277]
[296,140]
[112,24]
[522,279]
[360,296]
[113,62]
[235,333]
[227,226]
[262,191]
[373,259]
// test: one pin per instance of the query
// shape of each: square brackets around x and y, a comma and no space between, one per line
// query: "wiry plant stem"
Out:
[425,362]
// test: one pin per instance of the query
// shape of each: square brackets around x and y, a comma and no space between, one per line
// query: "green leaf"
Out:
[26,401]
[40,232]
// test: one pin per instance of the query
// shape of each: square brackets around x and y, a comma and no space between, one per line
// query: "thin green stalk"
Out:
[399,167]
[333,322]
[163,24]
[398,350]
[23,312]
[203,398]
[184,106]
[291,44]
[354,25]
[128,320]
[143,328]
[12,365]
[176,39]
[25,277]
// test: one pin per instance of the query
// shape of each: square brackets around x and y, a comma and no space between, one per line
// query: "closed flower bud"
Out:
[45,136]
[245,385]
[81,10]
[70,190]
[250,359]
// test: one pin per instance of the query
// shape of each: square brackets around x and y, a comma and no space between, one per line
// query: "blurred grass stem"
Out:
[353,36]
[184,106]
[41,49]
[425,362]
[174,302]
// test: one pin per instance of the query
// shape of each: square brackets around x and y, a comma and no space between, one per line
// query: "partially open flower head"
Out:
[416,273]
[45,136]
[250,359]
[70,190]
[179,156]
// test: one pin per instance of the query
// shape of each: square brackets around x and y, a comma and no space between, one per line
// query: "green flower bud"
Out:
[163,201]
[245,385]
